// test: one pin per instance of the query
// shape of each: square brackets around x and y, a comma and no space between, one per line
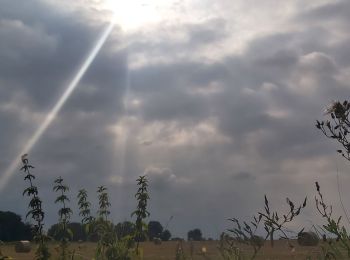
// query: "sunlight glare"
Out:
[133,14]
[57,107]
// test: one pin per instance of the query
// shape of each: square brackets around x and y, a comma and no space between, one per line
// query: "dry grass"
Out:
[166,251]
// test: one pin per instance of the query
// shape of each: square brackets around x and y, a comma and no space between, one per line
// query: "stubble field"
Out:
[167,251]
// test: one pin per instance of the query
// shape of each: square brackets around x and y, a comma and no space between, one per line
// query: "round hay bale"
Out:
[308,239]
[23,246]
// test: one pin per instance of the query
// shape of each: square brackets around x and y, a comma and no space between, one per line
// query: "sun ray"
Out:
[57,107]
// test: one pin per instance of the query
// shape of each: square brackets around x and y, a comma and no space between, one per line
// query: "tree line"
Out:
[12,228]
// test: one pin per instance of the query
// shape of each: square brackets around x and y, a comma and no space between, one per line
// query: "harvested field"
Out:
[166,251]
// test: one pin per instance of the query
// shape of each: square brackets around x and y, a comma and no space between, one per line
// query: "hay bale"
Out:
[23,246]
[308,239]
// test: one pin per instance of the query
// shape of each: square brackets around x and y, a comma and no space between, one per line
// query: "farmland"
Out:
[167,250]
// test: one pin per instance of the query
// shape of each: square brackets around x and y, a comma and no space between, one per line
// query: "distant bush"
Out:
[195,235]
[308,239]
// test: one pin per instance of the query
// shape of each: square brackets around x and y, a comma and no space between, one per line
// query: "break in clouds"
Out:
[216,104]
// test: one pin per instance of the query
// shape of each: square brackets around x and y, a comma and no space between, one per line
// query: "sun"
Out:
[133,14]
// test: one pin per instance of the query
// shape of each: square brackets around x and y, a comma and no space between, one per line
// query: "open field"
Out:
[166,251]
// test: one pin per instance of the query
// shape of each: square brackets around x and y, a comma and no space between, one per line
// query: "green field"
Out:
[166,251]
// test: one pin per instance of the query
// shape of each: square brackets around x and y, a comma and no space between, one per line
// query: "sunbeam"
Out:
[57,107]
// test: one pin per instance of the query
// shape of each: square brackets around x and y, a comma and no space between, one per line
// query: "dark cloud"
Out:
[243,176]
[337,10]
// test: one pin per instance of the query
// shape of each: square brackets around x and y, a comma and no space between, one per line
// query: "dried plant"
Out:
[245,233]
[333,227]
[338,126]
[275,223]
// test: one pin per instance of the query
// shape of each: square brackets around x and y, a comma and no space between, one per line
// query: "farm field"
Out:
[166,251]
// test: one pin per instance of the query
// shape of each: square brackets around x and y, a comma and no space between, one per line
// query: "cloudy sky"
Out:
[214,100]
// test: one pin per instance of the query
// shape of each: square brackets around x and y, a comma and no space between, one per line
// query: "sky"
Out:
[216,101]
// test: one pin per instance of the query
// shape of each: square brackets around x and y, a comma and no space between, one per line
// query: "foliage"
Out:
[103,202]
[109,246]
[166,235]
[113,242]
[141,210]
[194,235]
[155,229]
[36,212]
[12,228]
[308,239]
[84,212]
[102,226]
[64,233]
[124,229]
[75,227]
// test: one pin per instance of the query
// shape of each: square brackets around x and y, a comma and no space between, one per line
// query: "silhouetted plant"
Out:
[64,215]
[84,211]
[103,202]
[338,126]
[35,212]
[242,233]
[102,226]
[245,233]
[141,210]
[340,238]
[109,245]
[274,222]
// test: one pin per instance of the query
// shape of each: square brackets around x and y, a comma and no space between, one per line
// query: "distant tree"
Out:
[76,228]
[12,228]
[166,235]
[195,235]
[78,231]
[124,229]
[177,239]
[155,230]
